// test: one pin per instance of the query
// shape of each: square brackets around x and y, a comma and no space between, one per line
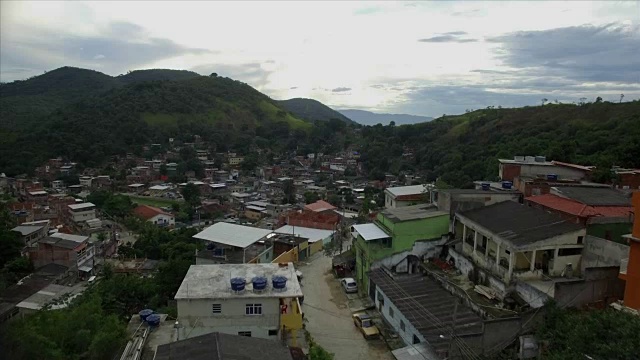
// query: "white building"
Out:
[258,300]
[82,212]
[85,181]
[155,216]
[395,197]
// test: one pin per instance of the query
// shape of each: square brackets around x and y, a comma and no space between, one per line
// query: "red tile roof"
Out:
[147,212]
[572,207]
[319,206]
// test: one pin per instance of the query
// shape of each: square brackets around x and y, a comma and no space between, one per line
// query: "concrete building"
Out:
[71,251]
[85,181]
[454,200]
[538,166]
[231,243]
[317,238]
[33,231]
[603,211]
[395,197]
[155,216]
[82,212]
[510,243]
[396,233]
[256,300]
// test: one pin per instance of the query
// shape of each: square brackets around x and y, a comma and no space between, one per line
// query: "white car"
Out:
[349,285]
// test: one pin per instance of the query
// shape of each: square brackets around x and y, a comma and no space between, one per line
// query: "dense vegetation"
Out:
[226,114]
[601,334]
[312,110]
[464,148]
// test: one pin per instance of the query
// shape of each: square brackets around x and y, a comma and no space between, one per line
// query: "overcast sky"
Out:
[423,58]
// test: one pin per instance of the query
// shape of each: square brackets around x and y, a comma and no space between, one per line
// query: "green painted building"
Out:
[396,231]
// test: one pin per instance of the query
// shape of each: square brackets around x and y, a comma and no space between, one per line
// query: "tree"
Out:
[598,100]
[334,200]
[191,194]
[311,197]
[289,192]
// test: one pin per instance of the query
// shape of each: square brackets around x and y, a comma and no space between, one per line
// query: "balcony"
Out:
[291,318]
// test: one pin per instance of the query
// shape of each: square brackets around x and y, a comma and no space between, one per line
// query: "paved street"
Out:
[329,317]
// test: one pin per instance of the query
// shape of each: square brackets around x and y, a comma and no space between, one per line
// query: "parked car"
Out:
[364,323]
[349,285]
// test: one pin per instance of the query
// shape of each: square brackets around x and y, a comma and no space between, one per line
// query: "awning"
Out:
[85,268]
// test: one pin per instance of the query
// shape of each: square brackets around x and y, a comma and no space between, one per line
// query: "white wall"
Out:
[420,248]
[162,218]
[409,329]
[79,216]
[197,315]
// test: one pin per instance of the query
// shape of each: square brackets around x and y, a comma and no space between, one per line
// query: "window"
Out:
[507,252]
[273,332]
[244,333]
[416,340]
[569,252]
[253,309]
[401,325]
[216,308]
[580,238]
[391,312]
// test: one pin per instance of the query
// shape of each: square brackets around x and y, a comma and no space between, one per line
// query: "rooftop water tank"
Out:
[279,283]
[259,283]
[507,184]
[144,314]
[486,186]
[552,177]
[153,320]
[541,159]
[237,284]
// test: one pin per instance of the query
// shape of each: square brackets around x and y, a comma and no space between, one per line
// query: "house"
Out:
[57,184]
[421,312]
[399,196]
[159,190]
[32,231]
[54,295]
[533,186]
[136,188]
[231,243]
[322,220]
[221,346]
[72,251]
[82,212]
[235,160]
[37,196]
[603,211]
[85,181]
[317,238]
[509,242]
[255,210]
[396,233]
[155,216]
[319,206]
[628,179]
[255,300]
[455,200]
[538,166]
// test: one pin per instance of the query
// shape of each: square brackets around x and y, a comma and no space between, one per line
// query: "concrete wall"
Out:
[534,297]
[419,249]
[599,284]
[407,334]
[79,216]
[289,256]
[599,252]
[197,316]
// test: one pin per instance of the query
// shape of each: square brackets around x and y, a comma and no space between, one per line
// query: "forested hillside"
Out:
[312,110]
[227,114]
[463,148]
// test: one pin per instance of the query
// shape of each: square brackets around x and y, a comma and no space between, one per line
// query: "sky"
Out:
[421,58]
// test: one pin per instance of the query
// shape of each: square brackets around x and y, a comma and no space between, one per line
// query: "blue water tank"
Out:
[259,283]
[485,186]
[552,177]
[153,320]
[237,284]
[279,282]
[145,313]
[507,184]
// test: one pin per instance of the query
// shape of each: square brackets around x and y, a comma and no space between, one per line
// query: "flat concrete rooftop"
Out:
[214,281]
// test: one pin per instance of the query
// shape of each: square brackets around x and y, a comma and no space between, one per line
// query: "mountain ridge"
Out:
[313,110]
[365,117]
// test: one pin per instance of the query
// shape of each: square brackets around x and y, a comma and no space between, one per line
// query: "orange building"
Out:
[632,276]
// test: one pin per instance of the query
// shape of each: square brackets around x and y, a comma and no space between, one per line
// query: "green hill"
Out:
[312,110]
[464,148]
[227,114]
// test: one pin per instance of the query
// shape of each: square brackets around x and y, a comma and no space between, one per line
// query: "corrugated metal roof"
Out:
[594,196]
[415,352]
[81,206]
[407,190]
[232,234]
[312,234]
[370,232]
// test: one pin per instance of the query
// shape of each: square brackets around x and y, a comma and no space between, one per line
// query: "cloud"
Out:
[251,73]
[607,53]
[120,47]
[293,88]
[340,89]
[452,36]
